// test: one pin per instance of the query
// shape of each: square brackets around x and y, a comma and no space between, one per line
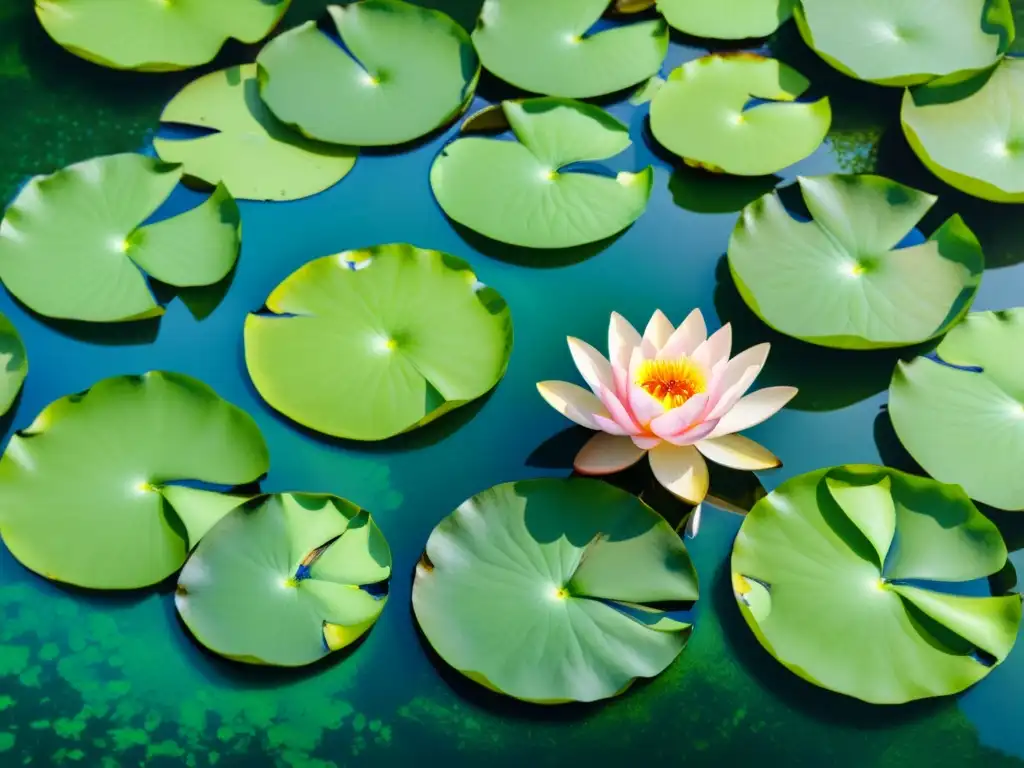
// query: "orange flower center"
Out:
[671,382]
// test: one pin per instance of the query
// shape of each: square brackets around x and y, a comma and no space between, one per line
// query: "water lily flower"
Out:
[673,394]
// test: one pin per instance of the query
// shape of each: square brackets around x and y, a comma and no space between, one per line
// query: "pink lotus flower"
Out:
[673,394]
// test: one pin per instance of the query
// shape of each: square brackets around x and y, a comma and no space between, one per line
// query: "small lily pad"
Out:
[846,575]
[841,280]
[959,411]
[255,155]
[14,363]
[88,491]
[73,245]
[368,344]
[278,580]
[401,72]
[703,114]
[156,35]
[965,133]
[547,47]
[544,590]
[906,42]
[727,19]
[521,192]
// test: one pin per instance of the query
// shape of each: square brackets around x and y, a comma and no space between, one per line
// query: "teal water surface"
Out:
[103,680]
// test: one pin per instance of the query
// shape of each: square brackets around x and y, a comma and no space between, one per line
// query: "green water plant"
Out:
[548,47]
[841,279]
[846,576]
[544,590]
[255,155]
[727,19]
[281,579]
[704,114]
[156,35]
[13,364]
[968,131]
[75,244]
[526,192]
[959,410]
[905,42]
[368,344]
[402,72]
[91,493]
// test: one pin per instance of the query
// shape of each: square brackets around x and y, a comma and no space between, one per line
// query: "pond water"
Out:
[107,681]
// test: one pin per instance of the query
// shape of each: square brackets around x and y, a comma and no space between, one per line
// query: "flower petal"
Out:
[604,454]
[609,426]
[593,366]
[642,406]
[623,338]
[738,376]
[619,412]
[658,331]
[692,435]
[715,349]
[753,409]
[686,338]
[682,470]
[738,452]
[693,523]
[646,443]
[678,420]
[572,401]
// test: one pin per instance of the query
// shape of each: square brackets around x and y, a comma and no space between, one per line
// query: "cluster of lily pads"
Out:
[828,567]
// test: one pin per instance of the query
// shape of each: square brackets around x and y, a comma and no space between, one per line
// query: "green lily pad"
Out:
[277,581]
[14,364]
[156,35]
[960,410]
[87,492]
[368,344]
[701,114]
[404,72]
[515,191]
[823,570]
[538,590]
[72,244]
[255,155]
[544,47]
[726,19]
[904,42]
[964,133]
[841,280]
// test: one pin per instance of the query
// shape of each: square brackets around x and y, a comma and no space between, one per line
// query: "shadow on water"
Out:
[129,333]
[543,258]
[890,449]
[700,191]
[200,300]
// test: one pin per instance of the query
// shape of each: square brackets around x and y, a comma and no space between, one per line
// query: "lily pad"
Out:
[726,19]
[547,47]
[368,344]
[841,280]
[278,580]
[960,410]
[906,42]
[401,72]
[73,245]
[14,364]
[156,36]
[966,134]
[521,192]
[88,491]
[703,113]
[846,575]
[539,590]
[252,152]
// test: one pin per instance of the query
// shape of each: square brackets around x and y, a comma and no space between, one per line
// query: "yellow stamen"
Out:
[672,382]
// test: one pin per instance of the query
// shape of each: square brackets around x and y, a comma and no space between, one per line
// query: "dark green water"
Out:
[107,681]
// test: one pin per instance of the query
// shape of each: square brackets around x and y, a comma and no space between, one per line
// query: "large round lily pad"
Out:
[969,132]
[959,411]
[846,577]
[402,72]
[539,590]
[905,42]
[547,47]
[73,244]
[702,114]
[726,19]
[367,344]
[278,580]
[13,364]
[520,192]
[841,280]
[88,493]
[156,35]
[252,152]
